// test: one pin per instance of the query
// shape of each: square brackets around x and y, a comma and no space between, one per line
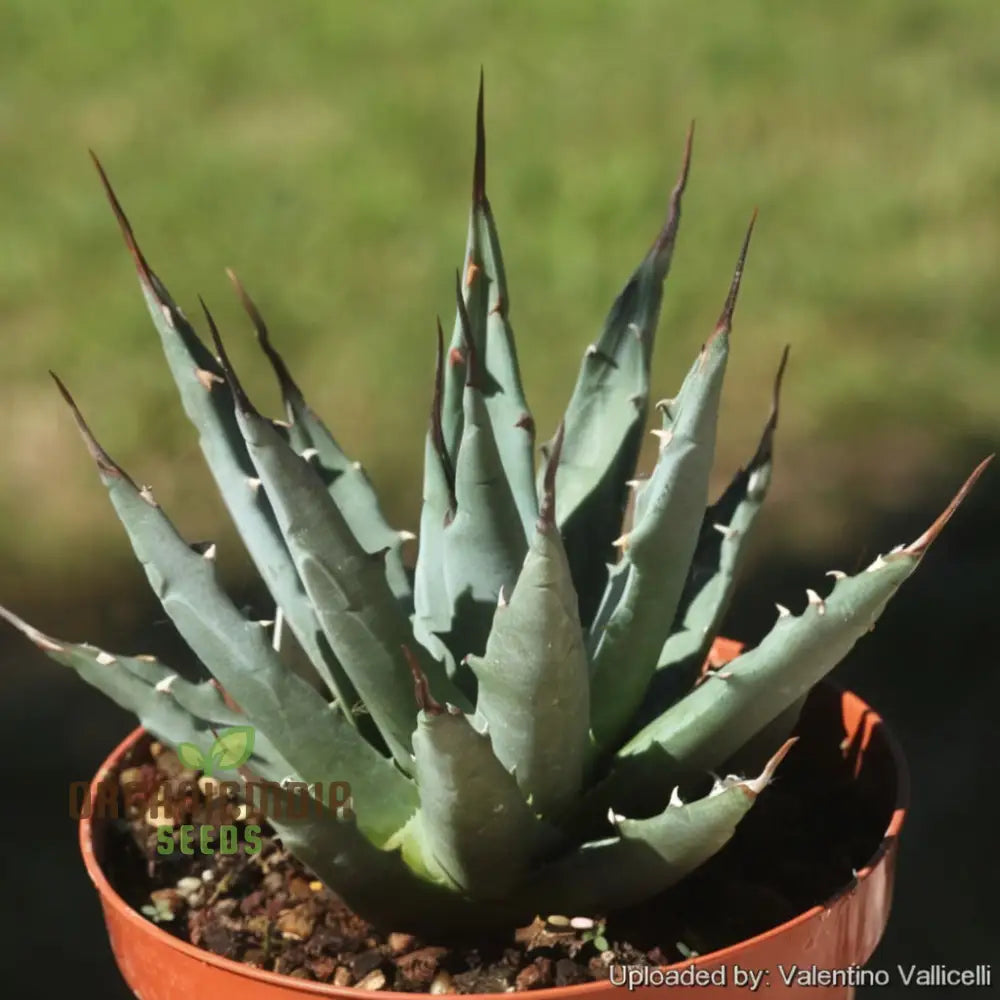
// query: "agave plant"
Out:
[515,714]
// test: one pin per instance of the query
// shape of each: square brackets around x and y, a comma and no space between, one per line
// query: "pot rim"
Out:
[110,896]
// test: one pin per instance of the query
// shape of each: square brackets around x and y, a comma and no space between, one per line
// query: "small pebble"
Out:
[375,980]
[188,884]
[557,921]
[158,815]
[274,882]
[528,978]
[442,983]
[316,886]
[298,888]
[400,944]
[296,925]
[208,785]
[581,923]
[208,875]
[130,776]
[196,899]
[168,900]
[342,977]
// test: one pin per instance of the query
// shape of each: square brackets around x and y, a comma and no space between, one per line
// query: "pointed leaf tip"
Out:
[288,384]
[145,273]
[726,318]
[921,545]
[778,378]
[425,700]
[104,461]
[40,639]
[250,307]
[665,239]
[547,510]
[766,446]
[240,397]
[756,785]
[479,169]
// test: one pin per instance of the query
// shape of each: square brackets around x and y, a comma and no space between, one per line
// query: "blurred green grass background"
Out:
[324,151]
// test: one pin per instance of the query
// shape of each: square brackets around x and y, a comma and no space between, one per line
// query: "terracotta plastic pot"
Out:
[832,938]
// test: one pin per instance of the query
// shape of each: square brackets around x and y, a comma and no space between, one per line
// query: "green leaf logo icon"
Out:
[232,748]
[191,757]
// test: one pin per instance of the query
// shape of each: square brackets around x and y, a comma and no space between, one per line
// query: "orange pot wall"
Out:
[840,934]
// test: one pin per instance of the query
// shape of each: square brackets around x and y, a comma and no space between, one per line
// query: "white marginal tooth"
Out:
[665,405]
[281,423]
[407,536]
[665,436]
[635,330]
[266,622]
[309,454]
[210,552]
[356,465]
[279,622]
[723,675]
[898,548]
[878,564]
[837,574]
[816,600]
[590,351]
[502,600]
[207,378]
[758,784]
[675,797]
[253,483]
[613,818]
[168,314]
[105,659]
[147,494]
[726,531]
[758,480]
[163,687]
[621,542]
[634,484]
[783,612]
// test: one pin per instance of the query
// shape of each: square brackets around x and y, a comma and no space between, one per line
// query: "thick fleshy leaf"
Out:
[432,608]
[533,691]
[722,542]
[648,856]
[209,407]
[718,717]
[350,488]
[314,737]
[484,543]
[659,548]
[475,827]
[606,415]
[506,405]
[172,708]
[356,609]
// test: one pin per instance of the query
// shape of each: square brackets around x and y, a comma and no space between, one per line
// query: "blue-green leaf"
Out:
[209,407]
[660,546]
[607,413]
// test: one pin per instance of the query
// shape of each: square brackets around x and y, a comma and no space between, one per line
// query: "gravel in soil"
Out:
[802,842]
